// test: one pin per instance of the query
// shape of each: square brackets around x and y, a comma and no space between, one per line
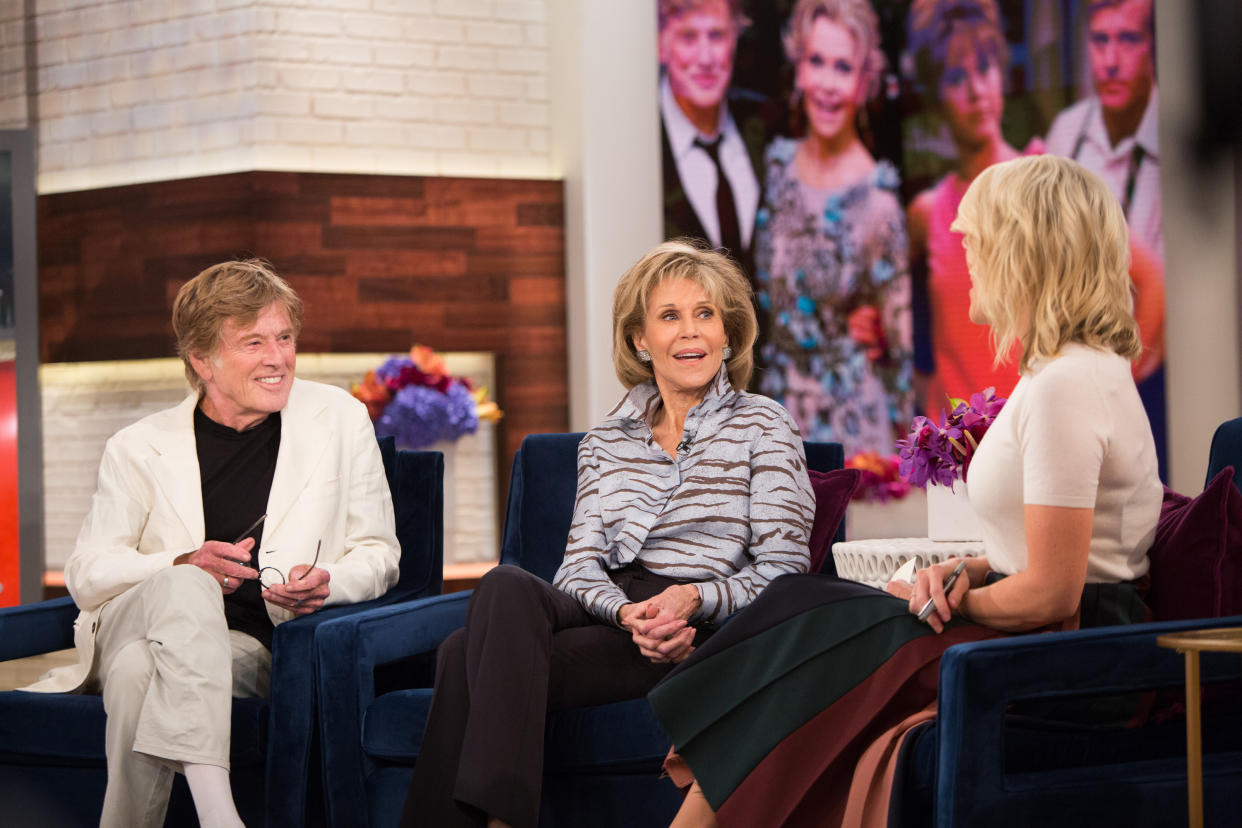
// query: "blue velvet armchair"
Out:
[52,770]
[983,763]
[601,763]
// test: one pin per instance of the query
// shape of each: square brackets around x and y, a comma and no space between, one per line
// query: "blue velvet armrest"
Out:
[38,628]
[415,480]
[348,650]
[292,710]
[978,681]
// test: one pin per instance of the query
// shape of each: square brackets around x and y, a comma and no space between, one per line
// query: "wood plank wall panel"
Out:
[380,261]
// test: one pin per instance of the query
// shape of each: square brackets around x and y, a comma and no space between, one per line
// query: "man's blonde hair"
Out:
[719,277]
[1051,258]
[669,10]
[230,290]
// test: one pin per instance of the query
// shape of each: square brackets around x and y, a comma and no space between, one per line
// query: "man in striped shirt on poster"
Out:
[692,496]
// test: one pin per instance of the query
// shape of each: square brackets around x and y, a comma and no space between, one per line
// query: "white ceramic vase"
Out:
[949,514]
[904,518]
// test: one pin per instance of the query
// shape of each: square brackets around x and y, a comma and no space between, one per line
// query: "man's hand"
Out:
[304,592]
[225,561]
[659,625]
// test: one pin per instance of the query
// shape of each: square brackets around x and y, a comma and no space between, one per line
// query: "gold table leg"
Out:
[1194,747]
[1190,643]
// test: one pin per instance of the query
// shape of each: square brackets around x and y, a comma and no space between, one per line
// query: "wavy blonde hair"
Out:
[1051,258]
[719,277]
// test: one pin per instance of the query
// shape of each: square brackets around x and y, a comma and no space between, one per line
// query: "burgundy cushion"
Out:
[1196,560]
[833,491]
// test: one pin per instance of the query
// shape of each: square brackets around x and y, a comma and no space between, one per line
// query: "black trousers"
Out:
[527,648]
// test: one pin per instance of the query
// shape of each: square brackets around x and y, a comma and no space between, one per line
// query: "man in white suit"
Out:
[258,499]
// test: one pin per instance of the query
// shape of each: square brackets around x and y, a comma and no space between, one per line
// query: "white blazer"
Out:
[328,485]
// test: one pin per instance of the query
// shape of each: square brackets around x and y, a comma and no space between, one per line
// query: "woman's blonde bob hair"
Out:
[719,277]
[1049,258]
[230,290]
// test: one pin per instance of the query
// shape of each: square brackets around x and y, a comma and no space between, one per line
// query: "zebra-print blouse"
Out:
[730,513]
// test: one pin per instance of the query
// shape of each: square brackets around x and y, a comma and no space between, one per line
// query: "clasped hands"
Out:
[929,585]
[659,625]
[305,591]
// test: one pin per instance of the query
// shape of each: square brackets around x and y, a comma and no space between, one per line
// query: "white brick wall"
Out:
[85,403]
[137,90]
[12,66]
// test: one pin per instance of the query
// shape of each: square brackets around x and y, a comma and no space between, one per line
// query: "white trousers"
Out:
[168,666]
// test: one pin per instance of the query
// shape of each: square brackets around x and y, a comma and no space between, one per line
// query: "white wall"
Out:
[12,65]
[606,142]
[150,90]
[1204,385]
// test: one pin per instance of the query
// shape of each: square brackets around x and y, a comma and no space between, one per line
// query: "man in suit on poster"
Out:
[712,138]
[1114,132]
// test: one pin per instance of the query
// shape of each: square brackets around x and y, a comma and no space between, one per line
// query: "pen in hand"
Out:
[251,528]
[948,586]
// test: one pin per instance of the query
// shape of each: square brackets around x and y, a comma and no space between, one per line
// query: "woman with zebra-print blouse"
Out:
[692,496]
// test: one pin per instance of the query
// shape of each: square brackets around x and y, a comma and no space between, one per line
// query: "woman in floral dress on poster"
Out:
[831,249]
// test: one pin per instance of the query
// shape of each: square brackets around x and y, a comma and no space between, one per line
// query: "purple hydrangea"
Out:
[419,415]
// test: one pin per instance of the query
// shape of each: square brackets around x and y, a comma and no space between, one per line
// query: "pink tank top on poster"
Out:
[962,350]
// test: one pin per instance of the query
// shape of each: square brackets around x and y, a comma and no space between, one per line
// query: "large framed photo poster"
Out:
[826,143]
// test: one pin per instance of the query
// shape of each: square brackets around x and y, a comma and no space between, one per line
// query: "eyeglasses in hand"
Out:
[270,576]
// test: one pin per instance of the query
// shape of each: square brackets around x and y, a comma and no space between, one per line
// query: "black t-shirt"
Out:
[236,469]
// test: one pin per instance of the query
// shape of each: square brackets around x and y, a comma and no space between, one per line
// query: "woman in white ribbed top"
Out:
[1065,482]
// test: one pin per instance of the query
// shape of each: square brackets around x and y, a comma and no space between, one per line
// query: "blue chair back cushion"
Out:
[542,486]
[1226,450]
[410,477]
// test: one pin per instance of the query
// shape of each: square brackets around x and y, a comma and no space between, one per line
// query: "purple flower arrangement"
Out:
[940,453]
[418,402]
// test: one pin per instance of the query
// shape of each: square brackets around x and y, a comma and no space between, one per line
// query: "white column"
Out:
[1201,261]
[606,145]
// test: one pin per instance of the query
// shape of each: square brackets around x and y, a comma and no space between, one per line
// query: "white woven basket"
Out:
[874,560]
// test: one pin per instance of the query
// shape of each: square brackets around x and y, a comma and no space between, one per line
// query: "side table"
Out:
[873,560]
[1221,640]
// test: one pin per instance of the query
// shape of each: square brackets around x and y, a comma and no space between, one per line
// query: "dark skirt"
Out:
[773,713]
